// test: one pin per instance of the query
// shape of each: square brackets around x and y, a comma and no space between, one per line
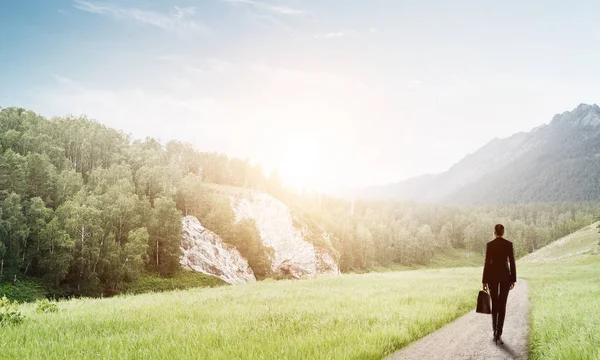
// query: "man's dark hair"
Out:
[499,229]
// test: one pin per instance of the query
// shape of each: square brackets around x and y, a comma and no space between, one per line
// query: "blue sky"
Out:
[344,93]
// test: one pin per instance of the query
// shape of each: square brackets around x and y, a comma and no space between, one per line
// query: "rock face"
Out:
[583,115]
[205,252]
[293,255]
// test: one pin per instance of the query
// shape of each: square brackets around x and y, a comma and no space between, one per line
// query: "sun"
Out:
[300,163]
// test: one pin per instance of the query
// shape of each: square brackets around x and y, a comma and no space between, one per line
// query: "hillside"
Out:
[552,163]
[583,242]
[87,210]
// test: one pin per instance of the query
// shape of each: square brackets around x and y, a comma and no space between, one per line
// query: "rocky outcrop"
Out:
[205,252]
[293,255]
[583,116]
[326,263]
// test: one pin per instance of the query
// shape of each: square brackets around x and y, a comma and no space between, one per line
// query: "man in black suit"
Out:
[498,278]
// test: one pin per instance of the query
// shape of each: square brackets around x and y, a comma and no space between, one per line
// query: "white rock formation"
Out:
[293,255]
[205,252]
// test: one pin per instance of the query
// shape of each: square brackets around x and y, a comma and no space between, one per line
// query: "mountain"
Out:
[559,161]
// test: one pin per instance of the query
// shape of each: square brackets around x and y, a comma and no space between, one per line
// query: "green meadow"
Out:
[359,316]
[353,316]
[564,282]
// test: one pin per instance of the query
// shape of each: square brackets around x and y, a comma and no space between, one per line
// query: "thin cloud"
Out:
[175,58]
[117,107]
[211,66]
[279,9]
[415,84]
[286,10]
[280,73]
[199,66]
[333,35]
[175,21]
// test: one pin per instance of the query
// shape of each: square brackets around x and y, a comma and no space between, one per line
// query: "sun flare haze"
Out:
[332,94]
[299,179]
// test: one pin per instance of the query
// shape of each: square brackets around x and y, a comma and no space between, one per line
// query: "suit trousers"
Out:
[499,294]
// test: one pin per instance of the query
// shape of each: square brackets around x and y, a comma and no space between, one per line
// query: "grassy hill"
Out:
[584,241]
[564,279]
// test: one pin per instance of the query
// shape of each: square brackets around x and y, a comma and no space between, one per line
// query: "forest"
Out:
[86,209]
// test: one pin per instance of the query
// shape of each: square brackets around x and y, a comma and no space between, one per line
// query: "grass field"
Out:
[347,317]
[29,290]
[564,282]
[181,281]
[452,258]
[456,258]
[359,316]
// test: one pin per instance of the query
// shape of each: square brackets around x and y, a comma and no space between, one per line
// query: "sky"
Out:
[332,93]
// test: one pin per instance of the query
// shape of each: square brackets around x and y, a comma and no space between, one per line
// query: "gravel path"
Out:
[470,337]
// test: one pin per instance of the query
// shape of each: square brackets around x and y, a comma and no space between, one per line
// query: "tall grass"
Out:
[181,281]
[347,317]
[565,315]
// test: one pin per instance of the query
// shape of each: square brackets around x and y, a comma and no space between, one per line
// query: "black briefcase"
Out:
[483,303]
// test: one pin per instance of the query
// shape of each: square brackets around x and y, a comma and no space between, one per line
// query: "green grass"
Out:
[25,290]
[362,316]
[456,258]
[451,258]
[181,281]
[565,296]
[358,316]
[31,289]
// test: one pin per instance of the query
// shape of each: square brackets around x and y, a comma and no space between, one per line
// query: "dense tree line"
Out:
[87,208]
[367,234]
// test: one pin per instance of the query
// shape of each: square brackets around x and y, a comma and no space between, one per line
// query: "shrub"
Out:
[9,312]
[46,306]
[26,290]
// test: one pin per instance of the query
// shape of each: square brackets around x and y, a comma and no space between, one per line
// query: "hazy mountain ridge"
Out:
[548,163]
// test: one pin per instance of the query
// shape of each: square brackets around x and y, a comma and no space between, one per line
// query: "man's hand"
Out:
[485,287]
[512,285]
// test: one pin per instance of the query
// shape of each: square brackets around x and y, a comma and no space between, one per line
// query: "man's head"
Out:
[499,230]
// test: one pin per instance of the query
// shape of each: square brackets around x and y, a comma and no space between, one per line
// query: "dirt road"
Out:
[470,337]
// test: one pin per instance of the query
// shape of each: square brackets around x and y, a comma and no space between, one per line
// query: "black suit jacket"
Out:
[498,254]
